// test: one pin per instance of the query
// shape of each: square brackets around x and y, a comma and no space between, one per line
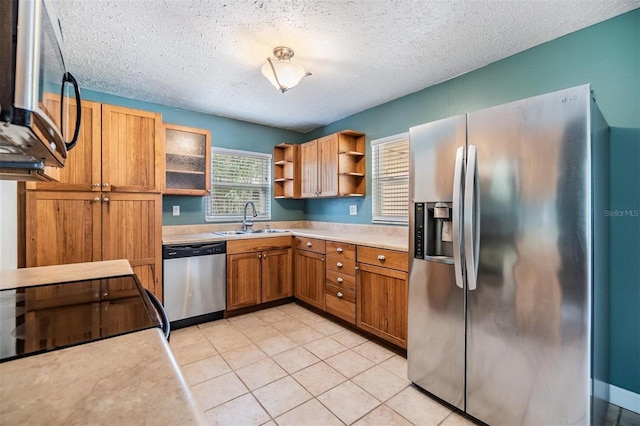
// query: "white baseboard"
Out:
[624,398]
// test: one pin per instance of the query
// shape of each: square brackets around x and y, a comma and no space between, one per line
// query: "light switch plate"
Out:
[353,210]
[176,210]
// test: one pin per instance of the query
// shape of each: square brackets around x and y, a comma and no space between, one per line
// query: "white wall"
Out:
[8,225]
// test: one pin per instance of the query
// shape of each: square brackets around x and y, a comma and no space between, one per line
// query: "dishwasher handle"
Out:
[190,250]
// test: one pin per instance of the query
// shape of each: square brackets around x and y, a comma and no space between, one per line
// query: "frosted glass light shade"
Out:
[287,74]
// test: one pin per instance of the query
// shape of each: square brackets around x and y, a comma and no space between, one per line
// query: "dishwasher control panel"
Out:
[177,251]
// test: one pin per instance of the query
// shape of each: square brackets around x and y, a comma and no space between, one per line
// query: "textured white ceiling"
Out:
[206,55]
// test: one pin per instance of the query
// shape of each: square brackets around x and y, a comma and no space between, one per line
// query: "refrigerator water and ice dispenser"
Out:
[433,231]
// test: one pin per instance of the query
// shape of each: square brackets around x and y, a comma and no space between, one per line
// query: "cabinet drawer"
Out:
[341,265]
[341,303]
[346,251]
[383,257]
[257,244]
[341,279]
[310,244]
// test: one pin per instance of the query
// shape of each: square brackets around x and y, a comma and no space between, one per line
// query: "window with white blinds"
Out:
[390,182]
[238,177]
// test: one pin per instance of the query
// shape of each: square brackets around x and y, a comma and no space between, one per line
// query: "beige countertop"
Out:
[129,379]
[393,238]
[26,277]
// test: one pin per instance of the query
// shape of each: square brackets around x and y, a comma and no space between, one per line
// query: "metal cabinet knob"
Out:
[381,257]
[105,199]
[339,264]
[97,184]
[339,279]
[339,294]
[259,256]
[339,249]
[309,244]
[96,199]
[322,259]
[105,184]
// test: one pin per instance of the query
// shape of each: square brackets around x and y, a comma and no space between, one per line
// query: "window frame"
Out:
[267,187]
[378,218]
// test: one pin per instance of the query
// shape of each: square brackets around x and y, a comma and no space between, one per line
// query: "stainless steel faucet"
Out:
[246,224]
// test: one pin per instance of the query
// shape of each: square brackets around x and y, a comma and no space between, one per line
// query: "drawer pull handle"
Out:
[381,257]
[308,243]
[339,279]
[339,264]
[339,249]
[339,294]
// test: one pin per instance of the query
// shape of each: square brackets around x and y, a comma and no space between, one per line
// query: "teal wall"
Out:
[225,133]
[606,55]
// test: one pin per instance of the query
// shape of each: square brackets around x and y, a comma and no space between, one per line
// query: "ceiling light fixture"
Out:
[283,73]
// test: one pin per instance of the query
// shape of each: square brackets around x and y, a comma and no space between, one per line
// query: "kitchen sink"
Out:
[251,231]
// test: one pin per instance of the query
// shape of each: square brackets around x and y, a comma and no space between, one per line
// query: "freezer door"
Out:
[528,319]
[436,341]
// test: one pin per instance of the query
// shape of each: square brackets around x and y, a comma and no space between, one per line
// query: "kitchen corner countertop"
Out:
[392,242]
[26,277]
[129,379]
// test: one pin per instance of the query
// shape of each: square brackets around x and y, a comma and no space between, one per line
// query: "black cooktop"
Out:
[48,317]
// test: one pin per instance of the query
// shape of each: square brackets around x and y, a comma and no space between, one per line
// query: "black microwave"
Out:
[40,105]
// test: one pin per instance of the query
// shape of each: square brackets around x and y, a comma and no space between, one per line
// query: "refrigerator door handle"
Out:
[472,217]
[456,213]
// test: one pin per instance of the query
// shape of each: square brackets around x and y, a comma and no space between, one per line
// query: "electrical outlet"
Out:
[176,210]
[353,210]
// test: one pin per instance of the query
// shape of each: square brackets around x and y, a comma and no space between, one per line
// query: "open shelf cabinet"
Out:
[286,171]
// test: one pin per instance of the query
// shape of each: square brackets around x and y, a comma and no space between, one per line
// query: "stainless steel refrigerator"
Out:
[508,298]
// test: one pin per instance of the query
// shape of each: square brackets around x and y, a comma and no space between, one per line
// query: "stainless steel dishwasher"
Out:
[194,282]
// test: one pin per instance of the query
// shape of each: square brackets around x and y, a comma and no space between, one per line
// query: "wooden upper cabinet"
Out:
[82,170]
[333,166]
[286,171]
[187,161]
[328,166]
[132,150]
[309,169]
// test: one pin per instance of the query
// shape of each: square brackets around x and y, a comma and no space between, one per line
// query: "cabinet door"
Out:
[62,227]
[82,169]
[328,165]
[187,161]
[309,169]
[132,150]
[132,230]
[309,278]
[276,275]
[243,279]
[382,303]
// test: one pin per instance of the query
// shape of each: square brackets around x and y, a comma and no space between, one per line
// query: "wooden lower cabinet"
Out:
[64,227]
[243,279]
[258,277]
[382,302]
[276,275]
[310,278]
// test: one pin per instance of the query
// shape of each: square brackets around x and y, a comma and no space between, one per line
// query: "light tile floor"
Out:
[289,366]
